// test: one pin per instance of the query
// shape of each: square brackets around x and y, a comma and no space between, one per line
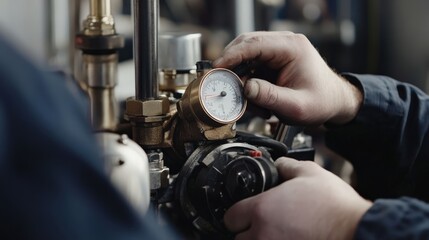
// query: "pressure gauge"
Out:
[216,98]
[221,95]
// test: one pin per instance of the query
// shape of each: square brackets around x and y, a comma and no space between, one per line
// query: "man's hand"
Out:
[306,90]
[312,203]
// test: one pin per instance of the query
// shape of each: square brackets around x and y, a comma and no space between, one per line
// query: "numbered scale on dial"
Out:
[217,98]
[221,95]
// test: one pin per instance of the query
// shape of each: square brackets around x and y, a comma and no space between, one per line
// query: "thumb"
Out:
[272,97]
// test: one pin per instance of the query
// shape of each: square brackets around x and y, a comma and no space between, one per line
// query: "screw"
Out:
[123,139]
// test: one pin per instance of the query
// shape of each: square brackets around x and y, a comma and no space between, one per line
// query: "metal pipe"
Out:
[50,32]
[146,15]
[74,21]
[100,20]
[286,133]
[99,44]
[244,16]
[100,8]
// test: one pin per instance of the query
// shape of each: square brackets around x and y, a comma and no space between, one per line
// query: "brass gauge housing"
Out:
[210,106]
[217,97]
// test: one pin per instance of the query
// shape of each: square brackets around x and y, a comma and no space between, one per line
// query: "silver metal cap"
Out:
[179,51]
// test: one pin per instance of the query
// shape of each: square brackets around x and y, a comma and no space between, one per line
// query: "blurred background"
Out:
[366,36]
[388,37]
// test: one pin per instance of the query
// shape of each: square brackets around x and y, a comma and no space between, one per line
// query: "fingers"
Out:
[263,46]
[238,217]
[289,168]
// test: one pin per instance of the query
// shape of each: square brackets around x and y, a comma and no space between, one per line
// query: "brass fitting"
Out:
[147,108]
[173,81]
[192,128]
[147,118]
[100,21]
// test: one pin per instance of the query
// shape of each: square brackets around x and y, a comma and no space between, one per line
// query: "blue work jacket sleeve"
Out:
[404,218]
[387,142]
[388,146]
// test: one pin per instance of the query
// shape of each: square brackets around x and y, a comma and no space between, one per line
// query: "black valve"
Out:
[204,65]
[217,176]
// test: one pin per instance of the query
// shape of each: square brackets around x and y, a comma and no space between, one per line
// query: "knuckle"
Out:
[299,112]
[240,38]
[253,39]
[299,37]
[302,41]
[309,165]
[305,111]
[287,32]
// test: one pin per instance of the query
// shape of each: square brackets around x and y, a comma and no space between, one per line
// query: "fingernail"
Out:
[218,61]
[251,89]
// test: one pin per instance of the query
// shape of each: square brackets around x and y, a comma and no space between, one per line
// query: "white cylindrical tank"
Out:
[127,165]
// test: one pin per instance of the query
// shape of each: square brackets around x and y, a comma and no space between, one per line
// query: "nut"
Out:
[147,108]
[159,178]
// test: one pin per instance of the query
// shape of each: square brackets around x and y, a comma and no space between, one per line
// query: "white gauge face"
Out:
[221,95]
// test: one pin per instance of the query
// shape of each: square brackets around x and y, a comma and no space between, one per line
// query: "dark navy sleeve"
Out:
[52,185]
[388,146]
[404,218]
[387,142]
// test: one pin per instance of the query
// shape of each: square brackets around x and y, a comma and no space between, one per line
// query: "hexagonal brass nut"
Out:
[147,108]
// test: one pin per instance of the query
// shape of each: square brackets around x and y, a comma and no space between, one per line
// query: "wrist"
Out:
[350,99]
[351,221]
[347,218]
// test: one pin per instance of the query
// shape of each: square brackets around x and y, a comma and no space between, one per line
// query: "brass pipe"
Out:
[99,44]
[100,8]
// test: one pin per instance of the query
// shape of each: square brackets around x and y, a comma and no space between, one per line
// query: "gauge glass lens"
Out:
[221,95]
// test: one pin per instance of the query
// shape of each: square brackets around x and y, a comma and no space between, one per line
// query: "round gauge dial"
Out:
[221,95]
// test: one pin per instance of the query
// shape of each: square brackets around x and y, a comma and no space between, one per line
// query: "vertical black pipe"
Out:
[146,15]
